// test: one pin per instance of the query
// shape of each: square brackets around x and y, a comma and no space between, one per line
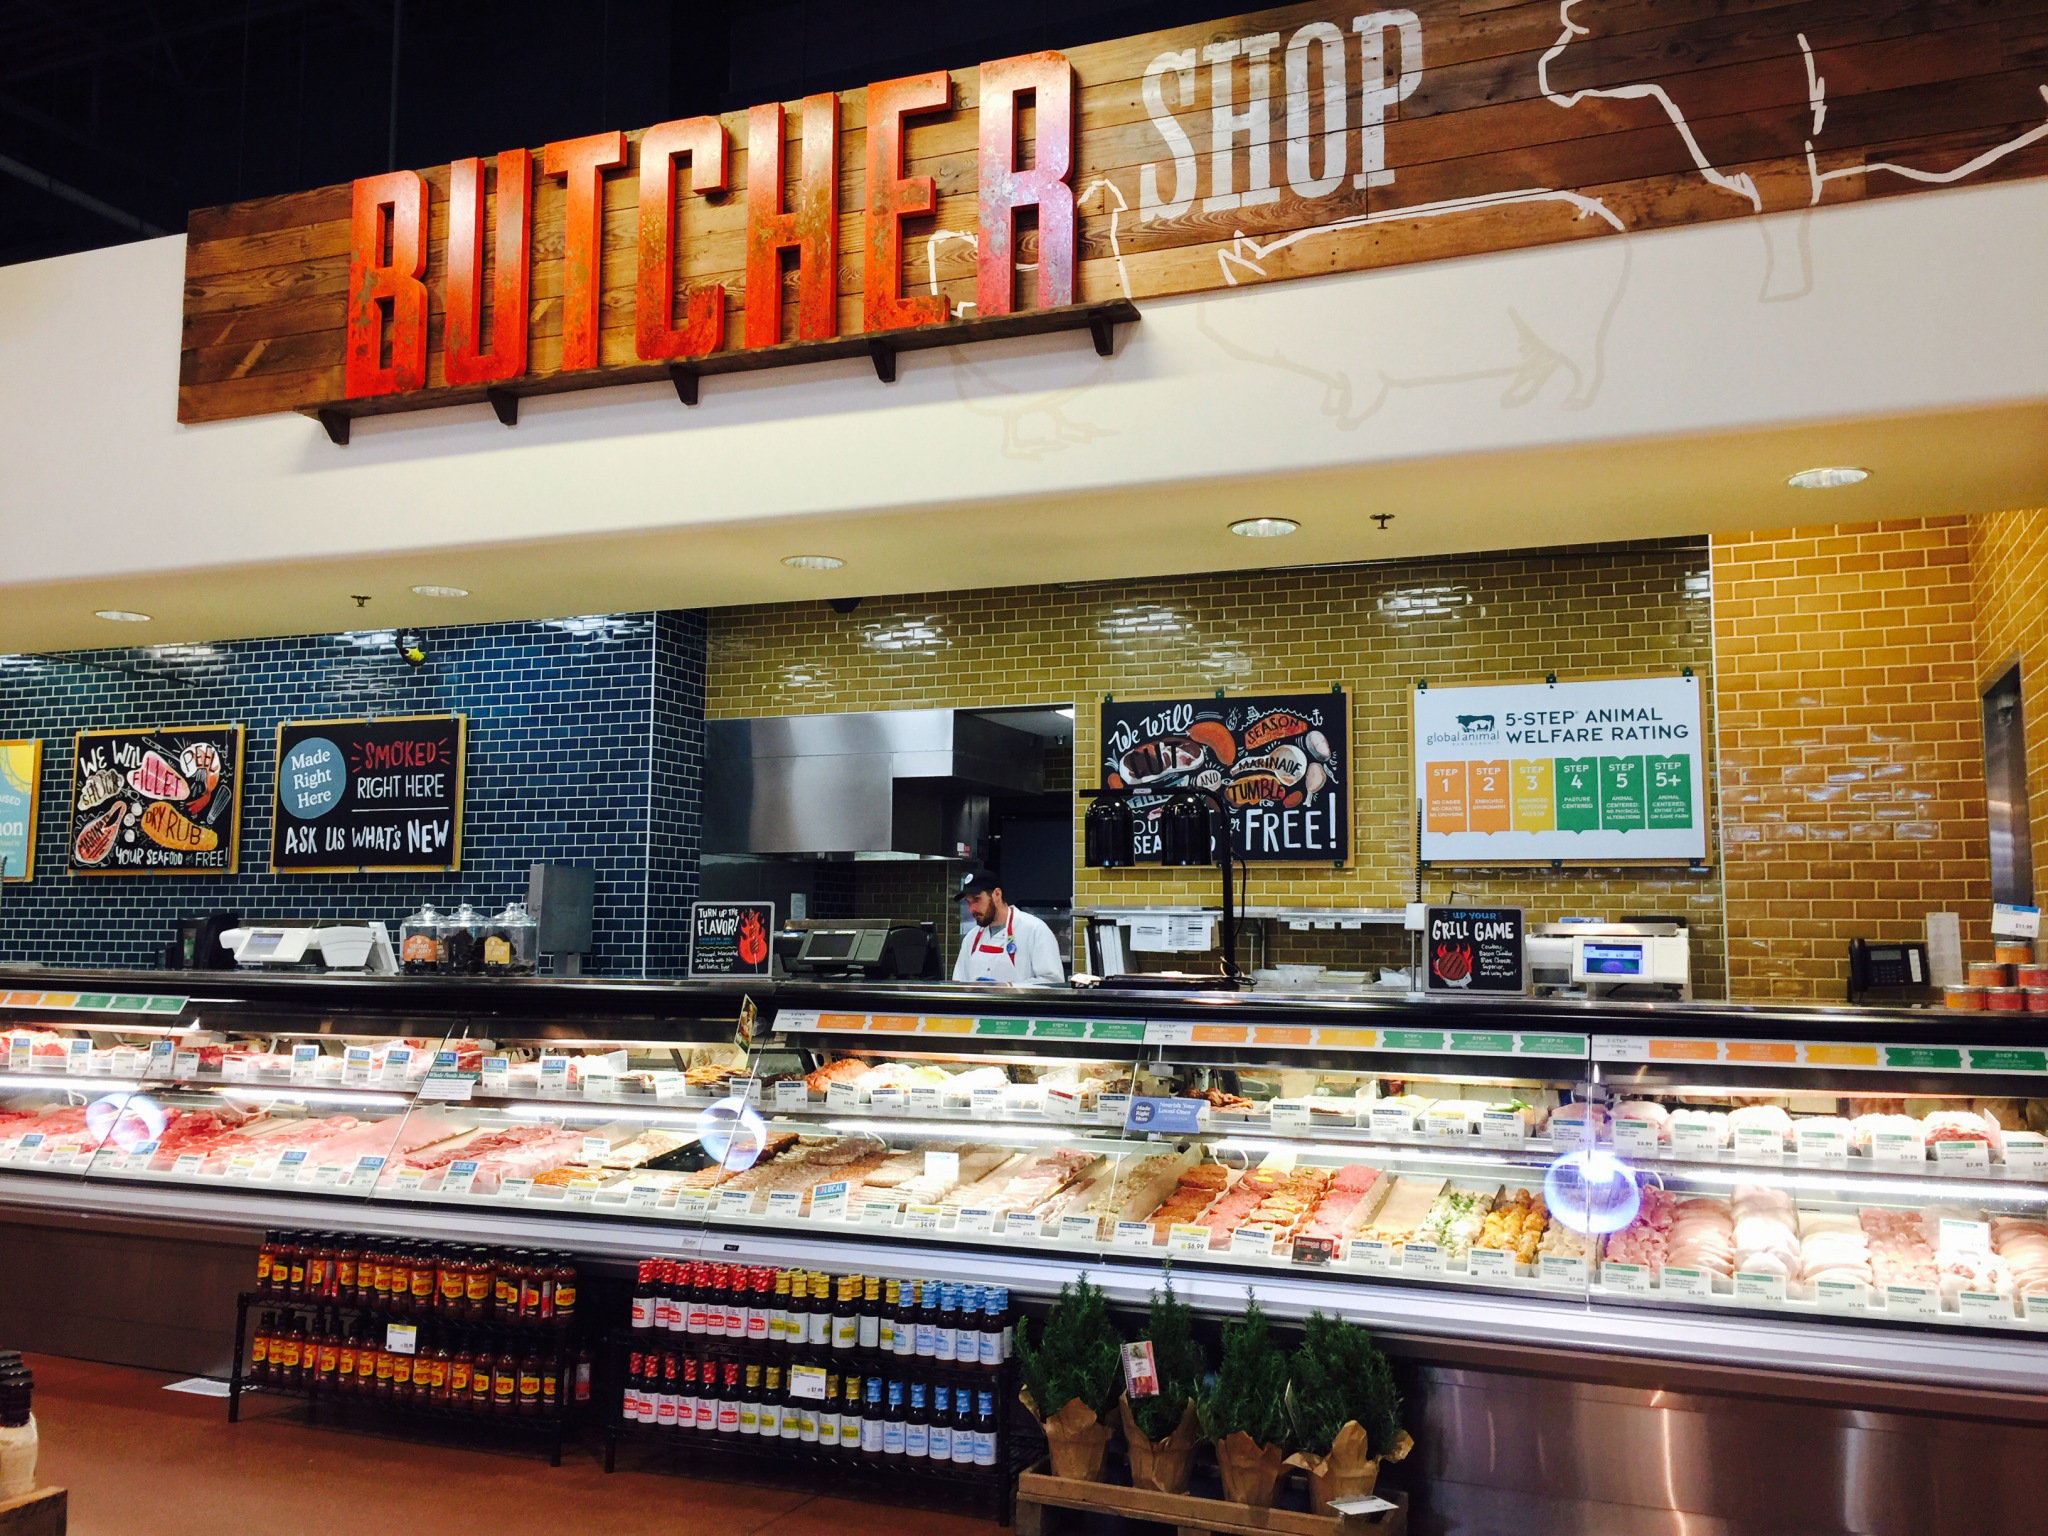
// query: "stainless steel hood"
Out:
[907,782]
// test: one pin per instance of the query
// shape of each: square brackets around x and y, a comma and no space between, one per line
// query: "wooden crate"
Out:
[1039,1491]
[41,1513]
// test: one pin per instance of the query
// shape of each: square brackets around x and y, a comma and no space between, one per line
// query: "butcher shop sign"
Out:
[156,801]
[1293,142]
[1281,762]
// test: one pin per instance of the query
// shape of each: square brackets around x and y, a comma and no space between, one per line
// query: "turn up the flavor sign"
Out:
[1544,771]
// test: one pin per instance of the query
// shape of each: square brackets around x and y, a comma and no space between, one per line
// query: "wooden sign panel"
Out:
[156,802]
[360,796]
[1281,761]
[1292,142]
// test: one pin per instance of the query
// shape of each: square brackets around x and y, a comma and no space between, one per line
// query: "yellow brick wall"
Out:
[1374,629]
[1852,789]
[2009,560]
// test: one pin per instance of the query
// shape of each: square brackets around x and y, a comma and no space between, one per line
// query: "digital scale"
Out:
[364,948]
[1620,960]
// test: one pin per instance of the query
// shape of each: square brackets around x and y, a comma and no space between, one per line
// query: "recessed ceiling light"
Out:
[813,562]
[121,616]
[441,591]
[1827,479]
[1264,527]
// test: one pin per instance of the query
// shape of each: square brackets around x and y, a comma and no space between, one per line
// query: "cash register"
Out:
[857,949]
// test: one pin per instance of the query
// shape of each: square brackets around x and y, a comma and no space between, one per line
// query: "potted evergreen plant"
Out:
[1344,1411]
[1070,1378]
[1244,1412]
[1163,1428]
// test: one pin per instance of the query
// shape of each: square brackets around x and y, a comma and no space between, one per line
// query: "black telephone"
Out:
[1888,966]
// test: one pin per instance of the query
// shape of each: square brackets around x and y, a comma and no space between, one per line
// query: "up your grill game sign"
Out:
[1291,142]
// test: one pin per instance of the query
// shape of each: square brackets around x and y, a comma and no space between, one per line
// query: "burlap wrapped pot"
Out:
[1250,1470]
[1346,1473]
[1162,1465]
[1075,1438]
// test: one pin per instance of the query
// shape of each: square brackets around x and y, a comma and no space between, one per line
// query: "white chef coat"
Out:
[1018,952]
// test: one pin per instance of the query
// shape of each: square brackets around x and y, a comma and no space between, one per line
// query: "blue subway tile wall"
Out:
[585,747]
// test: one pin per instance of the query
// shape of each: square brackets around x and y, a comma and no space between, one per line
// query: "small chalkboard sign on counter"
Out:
[1475,949]
[368,796]
[731,938]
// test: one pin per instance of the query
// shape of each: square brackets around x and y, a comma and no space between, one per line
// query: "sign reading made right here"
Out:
[1535,772]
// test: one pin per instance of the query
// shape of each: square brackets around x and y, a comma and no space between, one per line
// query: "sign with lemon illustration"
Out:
[21,770]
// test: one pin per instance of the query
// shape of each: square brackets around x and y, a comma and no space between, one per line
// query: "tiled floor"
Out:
[140,1461]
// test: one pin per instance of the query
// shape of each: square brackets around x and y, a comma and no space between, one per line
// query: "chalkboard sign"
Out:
[1475,949]
[21,772]
[1280,760]
[156,802]
[364,796]
[731,938]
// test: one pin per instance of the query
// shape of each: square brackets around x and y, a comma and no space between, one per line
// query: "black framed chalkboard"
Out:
[1281,760]
[1475,949]
[156,801]
[363,796]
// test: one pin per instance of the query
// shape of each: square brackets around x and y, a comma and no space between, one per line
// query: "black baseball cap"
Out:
[979,881]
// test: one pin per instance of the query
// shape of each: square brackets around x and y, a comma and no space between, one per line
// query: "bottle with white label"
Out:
[893,1427]
[939,1440]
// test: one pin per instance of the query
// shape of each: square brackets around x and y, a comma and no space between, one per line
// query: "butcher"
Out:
[1007,946]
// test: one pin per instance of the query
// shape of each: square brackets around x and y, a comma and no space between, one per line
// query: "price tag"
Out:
[78,1055]
[1561,1269]
[544,1194]
[1112,1108]
[21,1052]
[1694,1140]
[1678,1280]
[185,1064]
[24,1149]
[1633,1279]
[305,1063]
[1758,1144]
[1636,1138]
[942,1167]
[242,1165]
[1446,1126]
[1899,1147]
[1132,1234]
[841,1096]
[497,1074]
[1985,1305]
[1962,1157]
[130,1062]
[1503,1127]
[582,1191]
[401,1338]
[397,1064]
[1841,1295]
[643,1197]
[1912,1300]
[1289,1114]
[975,1218]
[1490,1264]
[1062,1105]
[2036,1305]
[878,1213]
[1370,1253]
[693,1202]
[595,1147]
[1392,1120]
[1187,1237]
[1422,1258]
[328,1176]
[740,1202]
[828,1201]
[1826,1148]
[160,1054]
[921,1218]
[554,1074]
[459,1178]
[1759,1288]
[2026,1154]
[807,1381]
[786,1204]
[188,1165]
[792,1095]
[368,1166]
[985,1103]
[927,1099]
[1961,1236]
[409,1180]
[1020,1224]
[889,1101]
[291,1163]
[1077,1229]
[599,1083]
[1252,1242]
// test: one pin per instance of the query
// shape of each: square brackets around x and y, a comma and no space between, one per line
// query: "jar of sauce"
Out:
[477,1284]
[565,1289]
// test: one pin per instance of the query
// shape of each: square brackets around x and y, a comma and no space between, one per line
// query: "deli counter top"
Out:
[1850,1194]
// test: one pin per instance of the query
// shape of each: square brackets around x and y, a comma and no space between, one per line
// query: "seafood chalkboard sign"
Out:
[1281,761]
[361,796]
[156,802]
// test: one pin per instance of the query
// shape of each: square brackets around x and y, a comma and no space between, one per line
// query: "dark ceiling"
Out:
[117,116]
